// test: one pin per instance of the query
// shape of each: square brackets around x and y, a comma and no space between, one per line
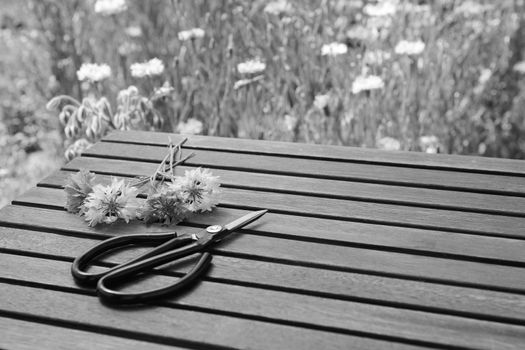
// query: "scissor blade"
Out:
[245,220]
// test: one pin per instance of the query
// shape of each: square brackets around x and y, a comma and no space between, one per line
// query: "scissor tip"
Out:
[260,213]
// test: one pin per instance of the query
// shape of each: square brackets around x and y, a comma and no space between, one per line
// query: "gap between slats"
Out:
[363,156]
[477,314]
[398,216]
[364,192]
[395,272]
[383,238]
[165,310]
[190,306]
[437,179]
[46,336]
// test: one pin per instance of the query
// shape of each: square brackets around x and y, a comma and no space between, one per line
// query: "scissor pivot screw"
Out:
[214,229]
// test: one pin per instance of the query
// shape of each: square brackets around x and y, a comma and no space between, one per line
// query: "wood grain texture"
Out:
[245,269]
[300,279]
[179,326]
[308,281]
[488,275]
[416,159]
[441,179]
[368,192]
[438,243]
[337,209]
[361,249]
[25,335]
[340,257]
[274,306]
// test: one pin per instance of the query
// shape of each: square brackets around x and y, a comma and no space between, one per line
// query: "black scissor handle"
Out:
[82,262]
[124,273]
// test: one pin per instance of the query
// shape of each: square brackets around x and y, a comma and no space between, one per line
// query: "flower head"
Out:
[164,205]
[77,148]
[389,144]
[251,66]
[321,101]
[405,47]
[163,91]
[93,72]
[78,187]
[485,75]
[278,7]
[190,34]
[383,8]
[199,188]
[133,31]
[149,68]
[334,49]
[110,7]
[191,126]
[472,8]
[519,67]
[290,122]
[107,204]
[367,83]
[429,144]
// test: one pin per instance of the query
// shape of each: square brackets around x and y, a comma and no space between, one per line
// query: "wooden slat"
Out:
[340,233]
[442,179]
[329,284]
[465,201]
[22,335]
[365,288]
[347,258]
[337,209]
[370,260]
[435,161]
[300,309]
[184,327]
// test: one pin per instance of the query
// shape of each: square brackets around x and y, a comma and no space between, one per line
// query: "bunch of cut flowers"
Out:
[169,198]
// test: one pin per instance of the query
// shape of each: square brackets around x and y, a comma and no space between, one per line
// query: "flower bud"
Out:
[81,114]
[69,153]
[75,129]
[68,132]
[89,133]
[63,117]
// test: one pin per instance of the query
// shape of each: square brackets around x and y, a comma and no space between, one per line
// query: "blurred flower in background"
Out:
[192,126]
[148,68]
[381,8]
[280,70]
[251,66]
[405,47]
[190,34]
[519,67]
[367,83]
[110,7]
[93,72]
[278,7]
[388,144]
[334,49]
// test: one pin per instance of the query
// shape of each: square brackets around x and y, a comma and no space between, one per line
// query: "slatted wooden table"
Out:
[362,249]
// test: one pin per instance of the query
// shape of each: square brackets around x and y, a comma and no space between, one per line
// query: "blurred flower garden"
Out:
[433,76]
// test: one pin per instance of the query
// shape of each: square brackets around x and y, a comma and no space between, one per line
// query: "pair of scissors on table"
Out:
[172,249]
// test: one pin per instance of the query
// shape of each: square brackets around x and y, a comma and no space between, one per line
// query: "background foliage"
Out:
[463,90]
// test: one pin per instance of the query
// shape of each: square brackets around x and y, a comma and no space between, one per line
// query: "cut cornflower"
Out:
[107,204]
[164,205]
[199,188]
[78,187]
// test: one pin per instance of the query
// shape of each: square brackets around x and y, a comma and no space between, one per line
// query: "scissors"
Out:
[172,248]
